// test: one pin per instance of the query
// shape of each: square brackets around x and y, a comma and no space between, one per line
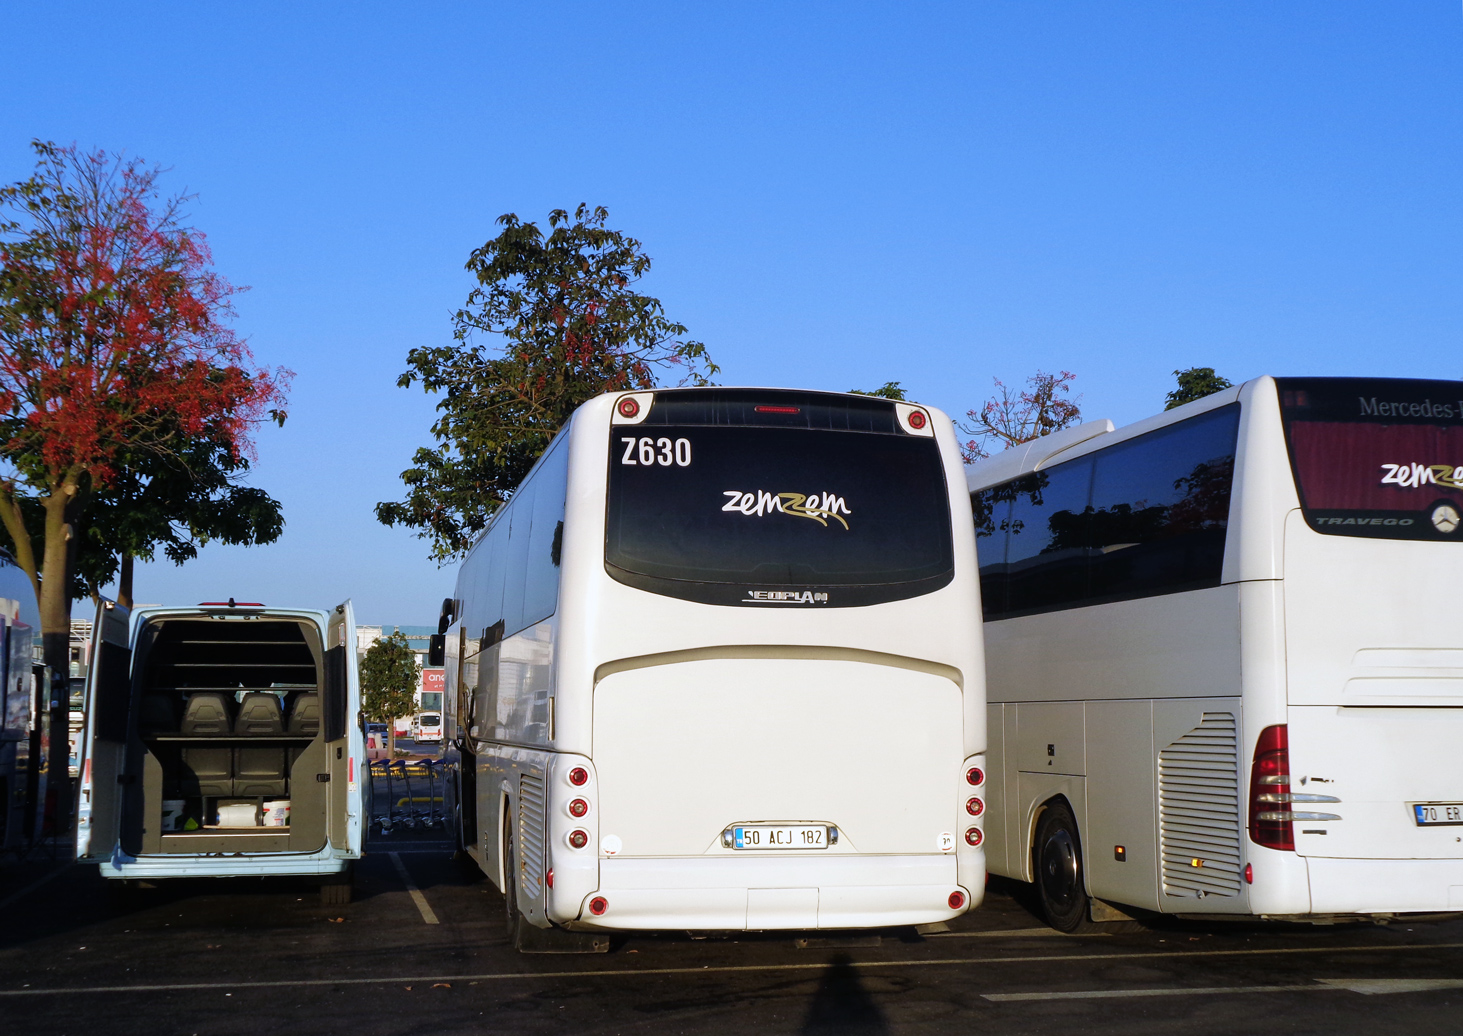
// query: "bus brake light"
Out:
[1270,815]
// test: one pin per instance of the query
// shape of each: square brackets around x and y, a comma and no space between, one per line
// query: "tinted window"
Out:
[541,593]
[1377,457]
[1045,538]
[767,515]
[1160,507]
[1143,517]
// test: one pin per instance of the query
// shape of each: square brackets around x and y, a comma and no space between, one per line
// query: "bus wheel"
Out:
[1057,859]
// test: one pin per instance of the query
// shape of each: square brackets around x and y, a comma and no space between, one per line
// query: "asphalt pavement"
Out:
[421,950]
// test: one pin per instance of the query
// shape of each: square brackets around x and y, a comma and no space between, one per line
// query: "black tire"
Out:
[1056,859]
[335,890]
[523,935]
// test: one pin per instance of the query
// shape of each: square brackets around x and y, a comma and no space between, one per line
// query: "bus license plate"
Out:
[1440,814]
[780,836]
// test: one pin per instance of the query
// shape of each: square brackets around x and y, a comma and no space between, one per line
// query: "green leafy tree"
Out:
[568,325]
[890,390]
[389,676]
[1195,383]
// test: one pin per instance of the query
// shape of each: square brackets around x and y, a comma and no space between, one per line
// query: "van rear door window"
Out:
[1377,457]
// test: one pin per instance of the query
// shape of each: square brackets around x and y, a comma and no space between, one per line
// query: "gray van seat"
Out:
[259,769]
[305,715]
[206,769]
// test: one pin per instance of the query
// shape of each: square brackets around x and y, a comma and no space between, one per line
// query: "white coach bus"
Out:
[1225,659]
[707,670]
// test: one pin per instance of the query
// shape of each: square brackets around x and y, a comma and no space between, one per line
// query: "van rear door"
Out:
[343,737]
[104,736]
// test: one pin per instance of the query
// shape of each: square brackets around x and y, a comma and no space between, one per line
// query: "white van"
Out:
[221,741]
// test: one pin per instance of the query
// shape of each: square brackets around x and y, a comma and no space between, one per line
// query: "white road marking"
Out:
[416,893]
[32,886]
[1015,933]
[508,976]
[1365,986]
[1106,994]
[1370,986]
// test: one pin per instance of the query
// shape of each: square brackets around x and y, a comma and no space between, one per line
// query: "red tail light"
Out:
[777,409]
[975,775]
[578,808]
[917,420]
[598,905]
[1270,819]
[957,900]
[549,878]
[629,407]
[579,776]
[974,806]
[578,839]
[973,836]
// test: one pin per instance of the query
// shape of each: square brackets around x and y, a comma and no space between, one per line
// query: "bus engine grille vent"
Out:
[531,818]
[1198,810]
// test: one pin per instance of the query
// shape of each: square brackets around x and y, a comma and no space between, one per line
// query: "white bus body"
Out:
[223,740]
[683,696]
[1216,697]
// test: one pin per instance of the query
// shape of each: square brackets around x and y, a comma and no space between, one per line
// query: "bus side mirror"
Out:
[437,650]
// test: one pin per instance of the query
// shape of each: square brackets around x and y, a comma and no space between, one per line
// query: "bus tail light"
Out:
[973,836]
[579,776]
[578,839]
[975,776]
[957,900]
[1270,815]
[578,807]
[598,905]
[974,806]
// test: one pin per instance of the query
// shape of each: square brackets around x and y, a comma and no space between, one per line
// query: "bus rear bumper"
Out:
[763,894]
[1385,886]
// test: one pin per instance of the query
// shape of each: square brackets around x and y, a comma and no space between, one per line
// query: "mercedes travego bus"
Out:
[1225,655]
[708,670]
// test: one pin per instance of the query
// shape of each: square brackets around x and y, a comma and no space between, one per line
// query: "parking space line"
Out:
[416,893]
[508,976]
[1365,986]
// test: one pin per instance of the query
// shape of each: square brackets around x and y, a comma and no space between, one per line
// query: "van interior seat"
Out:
[259,769]
[305,715]
[206,769]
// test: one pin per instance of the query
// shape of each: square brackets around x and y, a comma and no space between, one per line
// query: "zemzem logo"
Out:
[817,506]
[1410,476]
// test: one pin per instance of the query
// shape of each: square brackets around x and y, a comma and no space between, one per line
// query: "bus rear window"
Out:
[769,516]
[1377,457]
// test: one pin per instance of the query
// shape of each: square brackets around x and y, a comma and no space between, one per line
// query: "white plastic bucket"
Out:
[277,813]
[236,814]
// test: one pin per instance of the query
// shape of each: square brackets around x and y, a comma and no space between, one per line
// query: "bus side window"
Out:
[992,510]
[541,595]
[1046,551]
[1160,505]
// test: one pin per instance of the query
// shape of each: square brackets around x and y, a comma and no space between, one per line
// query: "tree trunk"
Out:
[55,606]
[124,582]
[391,739]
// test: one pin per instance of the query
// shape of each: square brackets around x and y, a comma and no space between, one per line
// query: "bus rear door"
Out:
[104,736]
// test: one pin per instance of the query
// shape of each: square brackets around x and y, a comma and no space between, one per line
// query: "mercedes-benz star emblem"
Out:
[1445,518]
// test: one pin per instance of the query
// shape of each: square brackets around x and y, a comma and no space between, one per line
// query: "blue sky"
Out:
[835,195]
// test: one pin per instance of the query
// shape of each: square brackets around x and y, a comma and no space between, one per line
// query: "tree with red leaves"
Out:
[571,327]
[1008,419]
[115,354]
